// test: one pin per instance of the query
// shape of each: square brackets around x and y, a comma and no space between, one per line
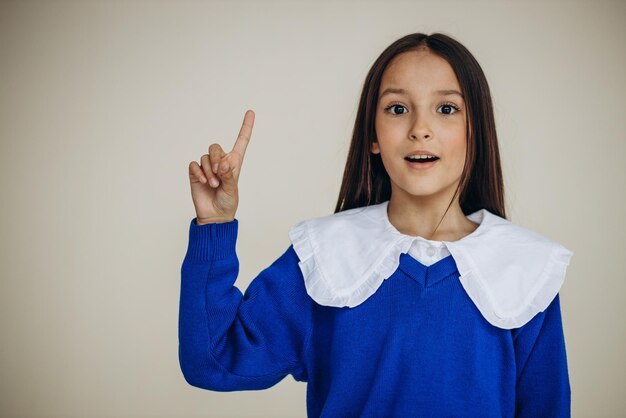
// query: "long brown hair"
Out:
[365,180]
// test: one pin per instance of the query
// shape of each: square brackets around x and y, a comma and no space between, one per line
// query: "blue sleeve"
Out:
[543,388]
[232,341]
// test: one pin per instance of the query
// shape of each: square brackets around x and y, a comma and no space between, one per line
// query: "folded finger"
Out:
[226,174]
[216,153]
[196,171]
[213,180]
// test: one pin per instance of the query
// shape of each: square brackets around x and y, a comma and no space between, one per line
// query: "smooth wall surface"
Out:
[104,104]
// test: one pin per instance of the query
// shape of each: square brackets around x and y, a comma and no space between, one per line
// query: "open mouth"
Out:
[421,160]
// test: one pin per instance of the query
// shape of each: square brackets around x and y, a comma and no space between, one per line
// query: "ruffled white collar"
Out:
[511,273]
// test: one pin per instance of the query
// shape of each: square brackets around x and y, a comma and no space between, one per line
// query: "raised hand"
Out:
[214,181]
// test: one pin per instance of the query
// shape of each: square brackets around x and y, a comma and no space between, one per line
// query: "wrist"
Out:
[213,220]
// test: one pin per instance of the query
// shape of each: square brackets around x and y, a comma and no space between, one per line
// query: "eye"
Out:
[449,108]
[395,106]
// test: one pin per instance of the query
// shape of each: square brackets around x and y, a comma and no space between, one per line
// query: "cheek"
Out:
[459,145]
[386,128]
[454,146]
[456,138]
[379,128]
[458,150]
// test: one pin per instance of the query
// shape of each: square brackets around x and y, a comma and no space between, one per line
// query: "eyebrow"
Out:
[447,92]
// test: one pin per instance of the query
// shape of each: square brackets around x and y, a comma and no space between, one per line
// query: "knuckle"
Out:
[214,148]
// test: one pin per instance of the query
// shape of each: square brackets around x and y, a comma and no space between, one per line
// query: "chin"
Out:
[421,192]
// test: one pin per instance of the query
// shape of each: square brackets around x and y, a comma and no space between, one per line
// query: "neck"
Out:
[419,216]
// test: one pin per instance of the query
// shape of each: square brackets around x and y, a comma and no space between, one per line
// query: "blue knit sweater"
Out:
[418,347]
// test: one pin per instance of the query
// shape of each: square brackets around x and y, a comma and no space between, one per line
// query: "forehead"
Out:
[422,70]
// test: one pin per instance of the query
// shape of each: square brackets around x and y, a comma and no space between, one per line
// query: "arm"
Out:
[232,341]
[543,388]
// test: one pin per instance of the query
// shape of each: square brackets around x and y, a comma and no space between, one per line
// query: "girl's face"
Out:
[421,111]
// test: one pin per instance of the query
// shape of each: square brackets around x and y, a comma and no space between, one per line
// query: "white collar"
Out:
[511,273]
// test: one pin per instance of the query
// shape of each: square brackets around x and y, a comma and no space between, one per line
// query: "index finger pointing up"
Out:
[244,133]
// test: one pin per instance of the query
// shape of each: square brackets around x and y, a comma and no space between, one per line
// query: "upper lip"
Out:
[421,152]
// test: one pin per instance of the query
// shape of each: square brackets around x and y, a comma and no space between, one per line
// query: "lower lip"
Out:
[422,166]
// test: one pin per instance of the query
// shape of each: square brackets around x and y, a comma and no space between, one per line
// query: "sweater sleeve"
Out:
[232,341]
[543,388]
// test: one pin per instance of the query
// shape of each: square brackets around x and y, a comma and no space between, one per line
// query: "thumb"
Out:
[225,172]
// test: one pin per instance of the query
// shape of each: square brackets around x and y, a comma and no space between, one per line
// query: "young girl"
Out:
[417,297]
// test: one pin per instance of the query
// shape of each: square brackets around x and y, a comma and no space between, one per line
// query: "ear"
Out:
[375,148]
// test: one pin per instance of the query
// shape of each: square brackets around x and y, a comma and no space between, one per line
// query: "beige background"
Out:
[104,104]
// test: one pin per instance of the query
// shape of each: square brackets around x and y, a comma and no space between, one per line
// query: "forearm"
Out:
[228,341]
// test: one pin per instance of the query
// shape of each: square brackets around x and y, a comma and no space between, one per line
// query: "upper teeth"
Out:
[420,156]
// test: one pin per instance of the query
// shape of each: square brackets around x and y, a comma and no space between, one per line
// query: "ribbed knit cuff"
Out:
[212,241]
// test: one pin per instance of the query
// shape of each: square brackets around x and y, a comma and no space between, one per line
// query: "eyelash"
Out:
[452,105]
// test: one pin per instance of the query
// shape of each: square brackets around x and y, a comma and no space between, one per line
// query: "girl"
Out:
[417,297]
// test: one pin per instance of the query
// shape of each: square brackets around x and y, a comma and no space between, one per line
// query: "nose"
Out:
[420,128]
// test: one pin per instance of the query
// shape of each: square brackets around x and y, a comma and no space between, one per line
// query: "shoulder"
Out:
[341,255]
[282,281]
[510,272]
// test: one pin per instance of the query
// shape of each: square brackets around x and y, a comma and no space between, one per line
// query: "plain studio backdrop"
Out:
[103,105]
